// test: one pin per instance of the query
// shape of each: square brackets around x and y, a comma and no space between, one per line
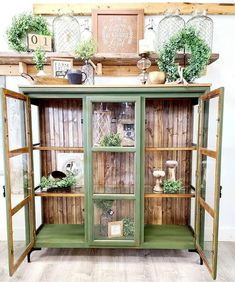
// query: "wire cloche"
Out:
[171,24]
[203,24]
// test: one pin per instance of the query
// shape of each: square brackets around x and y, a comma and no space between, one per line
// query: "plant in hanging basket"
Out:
[56,184]
[22,25]
[189,39]
[172,186]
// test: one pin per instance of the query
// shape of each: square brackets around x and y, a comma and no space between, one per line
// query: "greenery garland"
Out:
[200,54]
[22,25]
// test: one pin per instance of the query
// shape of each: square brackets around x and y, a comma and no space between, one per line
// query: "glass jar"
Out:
[66,32]
[203,24]
[168,26]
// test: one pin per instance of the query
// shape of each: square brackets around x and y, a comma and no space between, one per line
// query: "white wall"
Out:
[220,73]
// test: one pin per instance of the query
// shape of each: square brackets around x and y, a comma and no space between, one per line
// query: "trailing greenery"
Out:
[104,205]
[189,39]
[22,25]
[39,58]
[128,227]
[172,186]
[66,182]
[85,49]
[112,140]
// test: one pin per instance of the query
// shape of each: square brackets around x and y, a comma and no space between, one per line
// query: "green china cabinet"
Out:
[113,138]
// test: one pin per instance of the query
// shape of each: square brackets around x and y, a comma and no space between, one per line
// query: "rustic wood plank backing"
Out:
[168,123]
[61,126]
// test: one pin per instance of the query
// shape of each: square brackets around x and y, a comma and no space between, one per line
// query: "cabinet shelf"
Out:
[164,195]
[150,149]
[76,192]
[170,236]
[61,236]
[45,148]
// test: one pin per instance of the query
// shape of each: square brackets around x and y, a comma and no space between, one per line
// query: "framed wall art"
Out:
[117,32]
[115,229]
[60,66]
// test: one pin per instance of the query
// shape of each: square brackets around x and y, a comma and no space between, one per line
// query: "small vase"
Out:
[89,71]
[41,73]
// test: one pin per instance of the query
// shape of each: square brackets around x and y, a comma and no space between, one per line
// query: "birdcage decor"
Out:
[101,123]
[66,32]
[171,24]
[203,24]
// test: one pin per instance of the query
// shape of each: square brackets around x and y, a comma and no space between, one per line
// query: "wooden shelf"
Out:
[168,237]
[77,192]
[118,65]
[152,149]
[68,149]
[163,195]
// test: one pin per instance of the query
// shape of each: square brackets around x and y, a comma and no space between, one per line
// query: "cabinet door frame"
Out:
[90,195]
[213,212]
[28,201]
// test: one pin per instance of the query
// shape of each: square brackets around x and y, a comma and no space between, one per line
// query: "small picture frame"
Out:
[60,66]
[115,229]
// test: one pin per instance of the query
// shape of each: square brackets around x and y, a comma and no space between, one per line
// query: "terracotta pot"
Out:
[157,77]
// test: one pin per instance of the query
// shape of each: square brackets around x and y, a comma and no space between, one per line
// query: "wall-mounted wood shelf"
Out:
[111,66]
[186,8]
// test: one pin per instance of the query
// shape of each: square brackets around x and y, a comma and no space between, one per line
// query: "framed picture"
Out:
[60,66]
[117,32]
[115,229]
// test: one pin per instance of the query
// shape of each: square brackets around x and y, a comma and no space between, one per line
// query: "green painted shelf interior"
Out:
[61,235]
[155,236]
[168,237]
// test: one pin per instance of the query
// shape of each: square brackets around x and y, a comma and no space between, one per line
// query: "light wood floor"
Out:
[54,265]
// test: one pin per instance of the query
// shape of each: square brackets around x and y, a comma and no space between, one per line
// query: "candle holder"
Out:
[143,64]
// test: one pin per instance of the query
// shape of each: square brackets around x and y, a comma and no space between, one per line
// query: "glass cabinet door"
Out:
[113,125]
[208,177]
[18,172]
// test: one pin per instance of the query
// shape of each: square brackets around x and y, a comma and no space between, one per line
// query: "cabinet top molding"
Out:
[149,8]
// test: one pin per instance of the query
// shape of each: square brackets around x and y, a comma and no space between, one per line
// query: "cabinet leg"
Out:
[195,251]
[201,261]
[29,254]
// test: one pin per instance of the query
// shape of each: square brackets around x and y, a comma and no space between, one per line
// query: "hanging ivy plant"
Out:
[200,54]
[21,26]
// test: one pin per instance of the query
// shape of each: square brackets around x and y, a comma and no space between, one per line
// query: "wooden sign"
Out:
[60,66]
[36,40]
[117,31]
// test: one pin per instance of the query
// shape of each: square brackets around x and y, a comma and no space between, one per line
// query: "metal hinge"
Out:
[199,108]
[4,191]
[220,193]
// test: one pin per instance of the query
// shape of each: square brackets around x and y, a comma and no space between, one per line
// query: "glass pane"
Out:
[210,123]
[114,219]
[19,178]
[168,123]
[208,169]
[206,234]
[167,165]
[19,230]
[113,172]
[16,120]
[113,124]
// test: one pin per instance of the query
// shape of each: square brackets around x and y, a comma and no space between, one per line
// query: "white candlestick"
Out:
[145,46]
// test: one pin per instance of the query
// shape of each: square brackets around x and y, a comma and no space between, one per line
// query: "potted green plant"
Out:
[85,50]
[111,140]
[172,186]
[60,181]
[39,58]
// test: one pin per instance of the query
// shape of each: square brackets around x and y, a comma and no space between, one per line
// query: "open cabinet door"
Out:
[18,174]
[208,177]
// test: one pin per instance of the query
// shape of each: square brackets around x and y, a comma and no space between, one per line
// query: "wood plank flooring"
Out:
[109,265]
